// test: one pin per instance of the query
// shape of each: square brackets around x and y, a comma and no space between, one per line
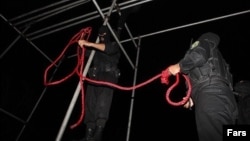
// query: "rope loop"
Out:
[165,80]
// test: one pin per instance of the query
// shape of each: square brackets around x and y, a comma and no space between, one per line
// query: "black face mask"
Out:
[211,37]
[102,37]
[104,31]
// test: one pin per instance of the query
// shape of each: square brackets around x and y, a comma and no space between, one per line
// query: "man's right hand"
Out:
[174,69]
[82,43]
[189,104]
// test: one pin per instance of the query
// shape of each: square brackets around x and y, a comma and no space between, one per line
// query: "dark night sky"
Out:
[23,67]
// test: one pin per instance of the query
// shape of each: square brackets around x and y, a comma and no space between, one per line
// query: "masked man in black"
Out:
[99,97]
[212,94]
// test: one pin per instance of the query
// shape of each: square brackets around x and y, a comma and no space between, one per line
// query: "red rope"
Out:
[74,39]
[164,79]
[84,34]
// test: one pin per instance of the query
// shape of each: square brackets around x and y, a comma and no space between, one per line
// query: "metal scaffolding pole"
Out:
[39,100]
[127,29]
[75,21]
[36,10]
[114,35]
[77,91]
[12,115]
[27,39]
[13,43]
[52,12]
[133,92]
[188,25]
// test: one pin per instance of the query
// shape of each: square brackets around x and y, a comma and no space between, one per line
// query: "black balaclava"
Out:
[209,36]
[102,30]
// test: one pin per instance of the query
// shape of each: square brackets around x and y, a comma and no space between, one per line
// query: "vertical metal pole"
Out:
[133,92]
[77,91]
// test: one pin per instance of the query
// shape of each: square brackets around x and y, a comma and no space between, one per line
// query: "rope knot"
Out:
[164,76]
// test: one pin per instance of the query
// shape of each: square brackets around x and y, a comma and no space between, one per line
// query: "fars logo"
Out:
[232,132]
[236,133]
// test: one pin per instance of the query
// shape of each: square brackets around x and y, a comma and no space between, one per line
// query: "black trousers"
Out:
[215,106]
[98,99]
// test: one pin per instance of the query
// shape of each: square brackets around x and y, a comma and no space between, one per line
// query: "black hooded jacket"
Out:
[203,62]
[110,56]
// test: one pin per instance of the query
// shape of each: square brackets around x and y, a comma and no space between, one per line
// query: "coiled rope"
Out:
[85,34]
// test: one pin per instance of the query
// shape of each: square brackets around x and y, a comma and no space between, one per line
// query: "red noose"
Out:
[164,79]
